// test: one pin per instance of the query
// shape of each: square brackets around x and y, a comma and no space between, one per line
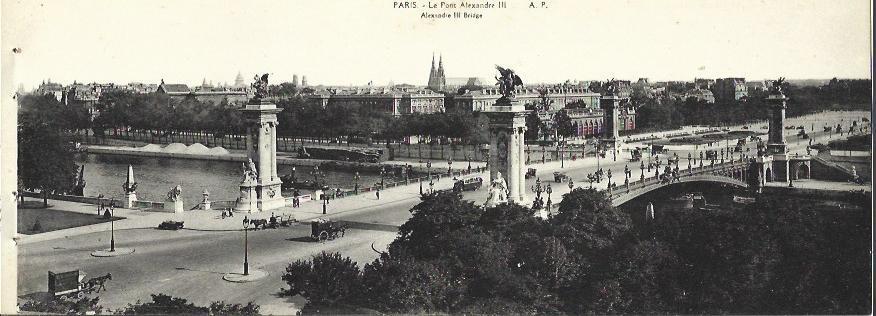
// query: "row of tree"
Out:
[668,113]
[163,114]
[161,304]
[454,257]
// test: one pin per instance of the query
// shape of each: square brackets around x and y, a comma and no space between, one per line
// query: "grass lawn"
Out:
[51,219]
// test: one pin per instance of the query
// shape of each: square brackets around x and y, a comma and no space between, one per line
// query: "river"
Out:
[105,174]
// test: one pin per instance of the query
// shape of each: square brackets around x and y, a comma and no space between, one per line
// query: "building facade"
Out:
[391,101]
[728,89]
[205,93]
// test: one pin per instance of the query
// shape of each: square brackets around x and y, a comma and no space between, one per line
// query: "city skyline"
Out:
[150,41]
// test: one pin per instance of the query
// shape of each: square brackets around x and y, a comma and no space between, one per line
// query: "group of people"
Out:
[228,212]
[106,209]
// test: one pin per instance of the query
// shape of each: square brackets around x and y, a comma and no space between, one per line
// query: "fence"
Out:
[79,199]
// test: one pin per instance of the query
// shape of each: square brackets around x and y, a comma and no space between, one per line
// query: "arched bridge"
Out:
[734,173]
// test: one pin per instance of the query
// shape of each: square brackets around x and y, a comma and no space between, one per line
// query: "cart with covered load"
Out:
[322,230]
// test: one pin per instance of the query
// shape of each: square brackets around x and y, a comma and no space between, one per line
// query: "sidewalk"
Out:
[211,220]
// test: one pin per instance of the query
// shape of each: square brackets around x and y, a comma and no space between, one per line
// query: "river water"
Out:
[105,174]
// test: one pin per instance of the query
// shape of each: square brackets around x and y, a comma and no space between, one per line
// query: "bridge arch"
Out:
[621,196]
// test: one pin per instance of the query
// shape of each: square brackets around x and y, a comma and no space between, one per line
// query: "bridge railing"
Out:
[648,181]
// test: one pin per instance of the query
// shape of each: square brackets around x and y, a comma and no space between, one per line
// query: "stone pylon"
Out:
[507,149]
[263,192]
[130,187]
[776,145]
[610,134]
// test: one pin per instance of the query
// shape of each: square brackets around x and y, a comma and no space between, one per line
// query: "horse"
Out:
[258,223]
[98,283]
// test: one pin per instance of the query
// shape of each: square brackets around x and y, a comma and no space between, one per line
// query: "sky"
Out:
[353,42]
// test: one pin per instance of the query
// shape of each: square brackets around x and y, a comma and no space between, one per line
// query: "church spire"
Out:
[433,74]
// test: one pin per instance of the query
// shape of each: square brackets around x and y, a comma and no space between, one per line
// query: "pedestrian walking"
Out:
[378,193]
[230,212]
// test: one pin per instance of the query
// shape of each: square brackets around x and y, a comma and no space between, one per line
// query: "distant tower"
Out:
[303,81]
[441,80]
[295,80]
[238,81]
[433,75]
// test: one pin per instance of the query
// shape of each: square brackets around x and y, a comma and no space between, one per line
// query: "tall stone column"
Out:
[263,192]
[521,132]
[610,136]
[776,145]
[507,155]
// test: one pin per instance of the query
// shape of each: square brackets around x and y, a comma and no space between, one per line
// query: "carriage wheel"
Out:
[323,236]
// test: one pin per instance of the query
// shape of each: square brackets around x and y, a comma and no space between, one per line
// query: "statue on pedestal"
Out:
[174,194]
[777,86]
[498,191]
[250,174]
[260,87]
[507,82]
[610,87]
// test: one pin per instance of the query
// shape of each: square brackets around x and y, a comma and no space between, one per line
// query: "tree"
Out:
[163,304]
[79,306]
[534,126]
[563,123]
[45,153]
[324,280]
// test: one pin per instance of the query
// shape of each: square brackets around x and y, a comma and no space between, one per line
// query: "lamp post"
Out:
[609,180]
[548,191]
[382,176]
[537,189]
[688,161]
[449,170]
[324,199]
[642,169]
[560,154]
[112,210]
[356,177]
[245,246]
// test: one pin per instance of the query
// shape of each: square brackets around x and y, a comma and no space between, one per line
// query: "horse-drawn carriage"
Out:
[70,284]
[636,154]
[560,177]
[322,230]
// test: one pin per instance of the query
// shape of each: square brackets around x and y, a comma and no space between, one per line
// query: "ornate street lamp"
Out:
[642,169]
[688,161]
[324,199]
[245,246]
[537,189]
[560,154]
[609,180]
[112,210]
[548,191]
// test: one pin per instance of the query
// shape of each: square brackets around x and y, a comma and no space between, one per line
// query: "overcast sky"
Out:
[353,42]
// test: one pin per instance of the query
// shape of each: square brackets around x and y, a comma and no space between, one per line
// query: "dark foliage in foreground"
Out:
[455,257]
